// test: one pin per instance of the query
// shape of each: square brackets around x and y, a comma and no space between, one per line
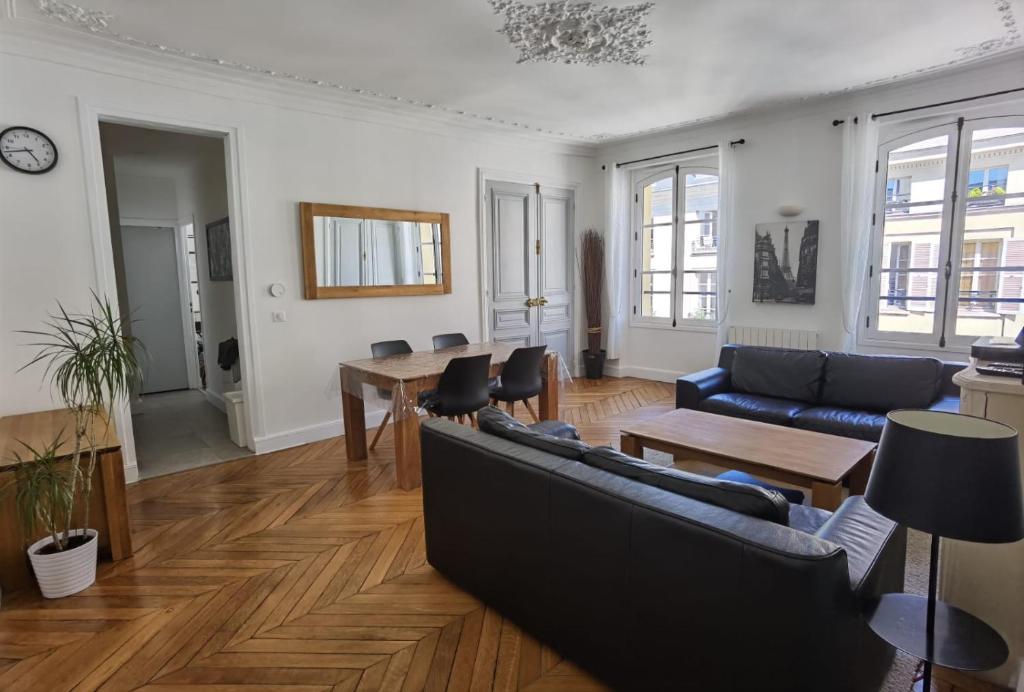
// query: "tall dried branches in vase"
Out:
[591,264]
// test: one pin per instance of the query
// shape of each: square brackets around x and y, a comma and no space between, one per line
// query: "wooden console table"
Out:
[419,372]
[108,504]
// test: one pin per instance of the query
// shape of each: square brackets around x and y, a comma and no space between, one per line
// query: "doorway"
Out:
[531,240]
[166,193]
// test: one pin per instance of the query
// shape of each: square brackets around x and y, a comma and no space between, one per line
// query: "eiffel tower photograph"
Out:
[776,246]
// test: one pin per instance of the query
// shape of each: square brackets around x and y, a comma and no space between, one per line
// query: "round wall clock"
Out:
[27,150]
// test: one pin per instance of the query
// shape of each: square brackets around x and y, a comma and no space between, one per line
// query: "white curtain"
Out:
[860,149]
[726,229]
[616,248]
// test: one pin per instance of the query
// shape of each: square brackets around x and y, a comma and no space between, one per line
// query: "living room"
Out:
[603,194]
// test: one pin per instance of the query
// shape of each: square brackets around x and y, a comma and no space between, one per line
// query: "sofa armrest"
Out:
[693,388]
[875,547]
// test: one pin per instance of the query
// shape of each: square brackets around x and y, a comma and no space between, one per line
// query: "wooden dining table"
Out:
[407,375]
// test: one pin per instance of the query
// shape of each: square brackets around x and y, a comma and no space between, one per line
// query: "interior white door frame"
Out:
[485,176]
[90,115]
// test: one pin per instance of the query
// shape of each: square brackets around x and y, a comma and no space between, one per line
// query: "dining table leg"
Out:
[408,461]
[353,416]
[549,390]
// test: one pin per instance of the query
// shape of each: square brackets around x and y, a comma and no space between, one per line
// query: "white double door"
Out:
[531,265]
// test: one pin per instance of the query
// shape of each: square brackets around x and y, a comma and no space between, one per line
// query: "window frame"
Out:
[952,233]
[641,178]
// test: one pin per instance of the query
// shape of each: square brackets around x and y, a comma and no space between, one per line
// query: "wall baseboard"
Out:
[642,373]
[311,433]
[131,474]
[216,400]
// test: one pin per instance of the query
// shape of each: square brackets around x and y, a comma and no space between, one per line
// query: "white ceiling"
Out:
[709,57]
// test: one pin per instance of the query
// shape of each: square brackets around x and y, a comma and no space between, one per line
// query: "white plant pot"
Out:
[68,571]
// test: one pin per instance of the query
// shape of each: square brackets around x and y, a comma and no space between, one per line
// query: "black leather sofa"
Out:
[838,393]
[617,565]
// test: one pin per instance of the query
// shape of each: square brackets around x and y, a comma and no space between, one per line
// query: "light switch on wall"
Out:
[279,316]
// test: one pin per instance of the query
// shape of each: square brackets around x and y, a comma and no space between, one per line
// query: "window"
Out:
[676,246]
[945,272]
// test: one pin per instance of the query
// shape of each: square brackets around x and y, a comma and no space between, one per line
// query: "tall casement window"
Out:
[947,263]
[675,246]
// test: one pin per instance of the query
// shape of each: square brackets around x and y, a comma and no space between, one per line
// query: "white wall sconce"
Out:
[790,210]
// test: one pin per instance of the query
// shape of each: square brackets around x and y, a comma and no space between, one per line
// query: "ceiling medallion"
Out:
[576,33]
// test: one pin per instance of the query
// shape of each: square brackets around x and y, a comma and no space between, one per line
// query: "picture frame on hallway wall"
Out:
[218,250]
[786,262]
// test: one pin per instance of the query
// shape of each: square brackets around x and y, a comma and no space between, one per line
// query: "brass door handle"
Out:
[542,301]
[531,302]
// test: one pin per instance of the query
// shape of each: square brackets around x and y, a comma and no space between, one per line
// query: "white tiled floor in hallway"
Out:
[176,431]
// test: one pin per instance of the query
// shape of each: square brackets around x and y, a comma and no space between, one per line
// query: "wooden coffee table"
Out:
[779,453]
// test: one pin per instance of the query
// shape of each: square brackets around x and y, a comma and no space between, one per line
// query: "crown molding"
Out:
[80,25]
[97,23]
[68,47]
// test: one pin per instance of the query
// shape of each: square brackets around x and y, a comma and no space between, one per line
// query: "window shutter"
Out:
[1012,283]
[922,255]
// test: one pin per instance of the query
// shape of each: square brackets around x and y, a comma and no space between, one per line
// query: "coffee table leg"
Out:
[826,496]
[631,445]
[860,474]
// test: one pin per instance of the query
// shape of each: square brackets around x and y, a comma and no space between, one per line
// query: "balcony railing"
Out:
[705,243]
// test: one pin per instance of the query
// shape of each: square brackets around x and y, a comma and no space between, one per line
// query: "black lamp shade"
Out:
[948,474]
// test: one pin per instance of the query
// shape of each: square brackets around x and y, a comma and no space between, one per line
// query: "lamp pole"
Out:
[933,578]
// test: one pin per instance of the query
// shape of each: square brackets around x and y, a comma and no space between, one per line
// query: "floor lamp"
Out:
[951,476]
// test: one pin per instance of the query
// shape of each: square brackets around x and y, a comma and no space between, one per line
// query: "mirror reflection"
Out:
[376,252]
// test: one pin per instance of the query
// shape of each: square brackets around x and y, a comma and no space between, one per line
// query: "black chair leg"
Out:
[532,412]
[380,429]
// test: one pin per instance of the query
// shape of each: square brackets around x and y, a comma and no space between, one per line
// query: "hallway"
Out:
[176,431]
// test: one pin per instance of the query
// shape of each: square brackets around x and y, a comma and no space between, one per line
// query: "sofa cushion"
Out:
[795,497]
[755,407]
[863,425]
[880,383]
[738,497]
[778,372]
[807,519]
[556,428]
[494,421]
[949,404]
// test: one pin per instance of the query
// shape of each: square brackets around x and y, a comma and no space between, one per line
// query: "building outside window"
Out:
[920,232]
[675,246]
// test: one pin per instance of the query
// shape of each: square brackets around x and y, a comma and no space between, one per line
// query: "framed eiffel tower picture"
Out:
[786,262]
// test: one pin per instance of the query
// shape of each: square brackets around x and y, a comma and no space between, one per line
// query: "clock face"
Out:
[27,150]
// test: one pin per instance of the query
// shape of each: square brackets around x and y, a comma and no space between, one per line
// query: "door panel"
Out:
[512,210]
[532,240]
[154,301]
[556,271]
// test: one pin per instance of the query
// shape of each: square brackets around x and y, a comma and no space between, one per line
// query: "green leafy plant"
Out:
[91,364]
[43,495]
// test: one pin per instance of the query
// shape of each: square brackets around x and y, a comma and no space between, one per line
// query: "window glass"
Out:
[911,233]
[991,277]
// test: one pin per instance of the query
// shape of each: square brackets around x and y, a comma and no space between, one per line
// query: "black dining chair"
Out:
[449,340]
[520,379]
[383,349]
[462,389]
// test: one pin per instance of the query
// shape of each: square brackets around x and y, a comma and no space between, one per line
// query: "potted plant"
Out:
[591,261]
[91,364]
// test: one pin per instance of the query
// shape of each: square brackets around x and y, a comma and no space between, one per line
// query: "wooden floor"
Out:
[298,570]
[295,570]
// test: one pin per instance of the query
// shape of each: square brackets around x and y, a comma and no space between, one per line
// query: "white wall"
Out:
[792,155]
[292,149]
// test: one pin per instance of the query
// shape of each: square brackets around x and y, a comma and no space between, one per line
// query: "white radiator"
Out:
[770,336]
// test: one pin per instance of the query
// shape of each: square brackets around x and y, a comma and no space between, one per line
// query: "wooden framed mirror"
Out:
[364,252]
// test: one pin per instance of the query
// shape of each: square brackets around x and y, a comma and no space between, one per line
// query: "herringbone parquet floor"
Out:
[296,570]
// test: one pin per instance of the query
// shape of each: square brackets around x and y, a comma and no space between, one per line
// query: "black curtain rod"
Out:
[947,103]
[679,153]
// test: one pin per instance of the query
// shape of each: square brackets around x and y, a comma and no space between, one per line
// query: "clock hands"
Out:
[26,150]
